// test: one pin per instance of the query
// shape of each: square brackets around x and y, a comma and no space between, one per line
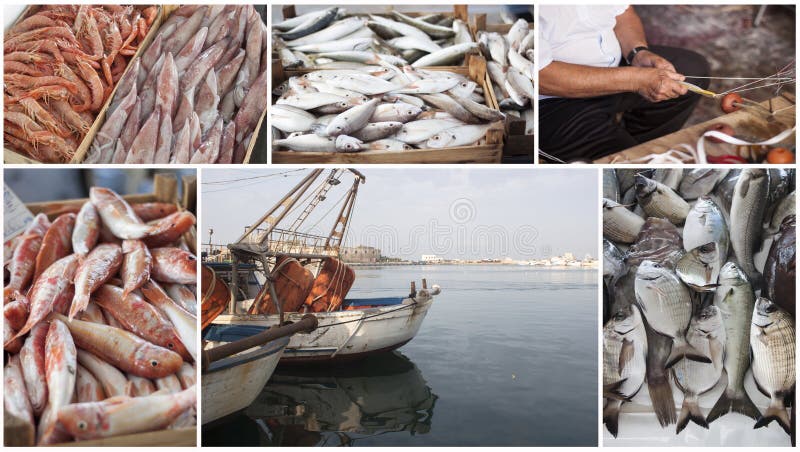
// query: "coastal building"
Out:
[431,259]
[360,254]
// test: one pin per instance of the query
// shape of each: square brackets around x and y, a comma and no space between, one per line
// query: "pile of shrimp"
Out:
[60,65]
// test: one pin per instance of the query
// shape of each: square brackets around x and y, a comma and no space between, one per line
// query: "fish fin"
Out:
[777,413]
[79,304]
[611,417]
[662,401]
[626,354]
[690,411]
[683,349]
[611,390]
[730,401]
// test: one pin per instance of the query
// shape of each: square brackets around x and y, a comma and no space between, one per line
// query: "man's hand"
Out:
[646,58]
[657,85]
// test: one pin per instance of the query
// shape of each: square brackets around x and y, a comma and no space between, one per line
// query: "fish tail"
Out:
[690,411]
[732,401]
[661,397]
[79,303]
[775,412]
[611,416]
[681,349]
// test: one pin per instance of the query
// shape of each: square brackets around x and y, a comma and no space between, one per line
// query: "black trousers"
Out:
[587,129]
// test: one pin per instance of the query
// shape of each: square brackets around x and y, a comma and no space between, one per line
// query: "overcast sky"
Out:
[521,213]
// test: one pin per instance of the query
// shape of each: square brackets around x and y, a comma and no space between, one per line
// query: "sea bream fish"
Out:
[624,353]
[705,223]
[747,213]
[772,339]
[706,334]
[667,305]
[620,224]
[735,299]
[699,268]
[659,200]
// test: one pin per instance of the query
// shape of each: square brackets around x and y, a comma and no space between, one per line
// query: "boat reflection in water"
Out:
[309,406]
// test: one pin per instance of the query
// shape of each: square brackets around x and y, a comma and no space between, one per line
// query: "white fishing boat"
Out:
[233,383]
[238,360]
[389,323]
[348,328]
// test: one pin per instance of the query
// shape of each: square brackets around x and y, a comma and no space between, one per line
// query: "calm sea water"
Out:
[506,356]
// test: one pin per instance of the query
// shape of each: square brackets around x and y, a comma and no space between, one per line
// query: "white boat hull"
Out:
[343,335]
[234,383]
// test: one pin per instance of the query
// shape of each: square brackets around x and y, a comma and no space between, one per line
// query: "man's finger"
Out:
[664,64]
[675,76]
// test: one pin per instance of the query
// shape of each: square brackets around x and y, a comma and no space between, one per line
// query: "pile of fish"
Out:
[379,108]
[510,66]
[330,39]
[100,321]
[688,293]
[195,95]
[60,64]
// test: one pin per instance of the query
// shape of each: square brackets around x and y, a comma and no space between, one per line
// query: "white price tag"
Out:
[16,217]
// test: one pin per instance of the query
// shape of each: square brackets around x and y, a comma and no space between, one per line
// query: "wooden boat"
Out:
[365,326]
[237,360]
[347,328]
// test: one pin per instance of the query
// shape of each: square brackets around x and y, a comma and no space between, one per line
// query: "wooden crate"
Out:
[80,154]
[491,152]
[745,123]
[165,189]
[10,156]
[518,145]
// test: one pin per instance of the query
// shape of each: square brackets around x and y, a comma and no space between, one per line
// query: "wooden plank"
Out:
[745,123]
[183,437]
[165,187]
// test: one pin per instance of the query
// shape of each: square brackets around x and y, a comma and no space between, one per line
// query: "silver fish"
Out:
[772,339]
[699,268]
[735,299]
[624,354]
[705,223]
[667,305]
[446,56]
[706,334]
[699,182]
[747,212]
[660,201]
[352,120]
[620,224]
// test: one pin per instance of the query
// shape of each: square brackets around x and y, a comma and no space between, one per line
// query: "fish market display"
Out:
[195,95]
[510,58]
[377,108]
[83,341]
[707,257]
[332,39]
[60,65]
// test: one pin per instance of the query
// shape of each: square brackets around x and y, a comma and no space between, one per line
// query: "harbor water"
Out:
[504,357]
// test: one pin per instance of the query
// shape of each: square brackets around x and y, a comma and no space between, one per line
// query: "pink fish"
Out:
[124,350]
[171,228]
[173,265]
[183,296]
[92,313]
[170,383]
[227,144]
[87,229]
[125,415]
[187,375]
[117,214]
[185,323]
[23,262]
[141,386]
[112,381]
[61,366]
[32,359]
[15,395]
[252,107]
[135,265]
[99,266]
[16,312]
[57,243]
[47,290]
[87,387]
[140,318]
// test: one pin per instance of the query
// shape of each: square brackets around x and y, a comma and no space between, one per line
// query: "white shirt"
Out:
[579,34]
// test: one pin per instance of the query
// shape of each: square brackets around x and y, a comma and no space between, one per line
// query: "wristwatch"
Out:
[633,53]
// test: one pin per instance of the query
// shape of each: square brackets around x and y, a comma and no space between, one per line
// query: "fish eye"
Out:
[82,425]
[770,308]
[410,112]
[154,363]
[170,345]
[436,137]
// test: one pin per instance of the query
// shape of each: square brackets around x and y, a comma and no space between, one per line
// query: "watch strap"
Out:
[633,53]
